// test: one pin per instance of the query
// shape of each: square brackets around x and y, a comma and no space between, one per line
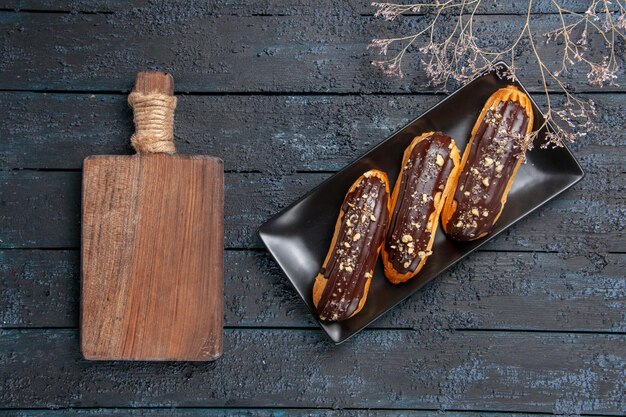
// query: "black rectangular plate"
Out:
[299,236]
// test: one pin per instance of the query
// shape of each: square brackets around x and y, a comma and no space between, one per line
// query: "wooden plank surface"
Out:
[265,7]
[247,412]
[489,290]
[589,217]
[251,412]
[325,52]
[542,372]
[247,65]
[297,133]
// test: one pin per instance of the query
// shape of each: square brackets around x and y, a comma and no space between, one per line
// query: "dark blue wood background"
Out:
[534,323]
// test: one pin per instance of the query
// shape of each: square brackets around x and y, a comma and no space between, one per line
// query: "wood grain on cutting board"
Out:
[152,253]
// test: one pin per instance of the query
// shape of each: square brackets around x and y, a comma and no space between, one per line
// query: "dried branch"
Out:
[457,57]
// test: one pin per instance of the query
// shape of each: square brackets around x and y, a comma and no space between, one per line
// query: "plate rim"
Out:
[549,126]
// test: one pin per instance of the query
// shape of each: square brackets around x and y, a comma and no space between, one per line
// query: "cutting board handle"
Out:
[153,104]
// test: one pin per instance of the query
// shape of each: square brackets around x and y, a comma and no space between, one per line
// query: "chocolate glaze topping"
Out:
[424,175]
[363,225]
[491,163]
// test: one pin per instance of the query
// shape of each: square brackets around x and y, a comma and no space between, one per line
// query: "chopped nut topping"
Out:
[393,246]
[492,117]
[348,223]
[439,160]
[499,167]
[475,212]
[466,193]
[356,237]
[407,264]
[372,217]
[341,266]
[363,218]
[346,244]
[485,213]
[488,161]
[459,224]
[406,238]
[486,182]
[410,250]
[349,268]
[421,254]
[368,275]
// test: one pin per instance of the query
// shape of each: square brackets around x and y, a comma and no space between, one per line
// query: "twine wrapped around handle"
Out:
[153,105]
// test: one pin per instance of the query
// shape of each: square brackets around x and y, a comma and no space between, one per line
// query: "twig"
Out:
[456,56]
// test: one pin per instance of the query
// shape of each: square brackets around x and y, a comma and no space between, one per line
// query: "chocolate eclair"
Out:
[426,179]
[341,287]
[489,165]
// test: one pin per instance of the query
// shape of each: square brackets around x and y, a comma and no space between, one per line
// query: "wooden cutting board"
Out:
[152,243]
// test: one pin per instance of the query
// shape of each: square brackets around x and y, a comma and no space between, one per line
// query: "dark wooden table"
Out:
[283,91]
